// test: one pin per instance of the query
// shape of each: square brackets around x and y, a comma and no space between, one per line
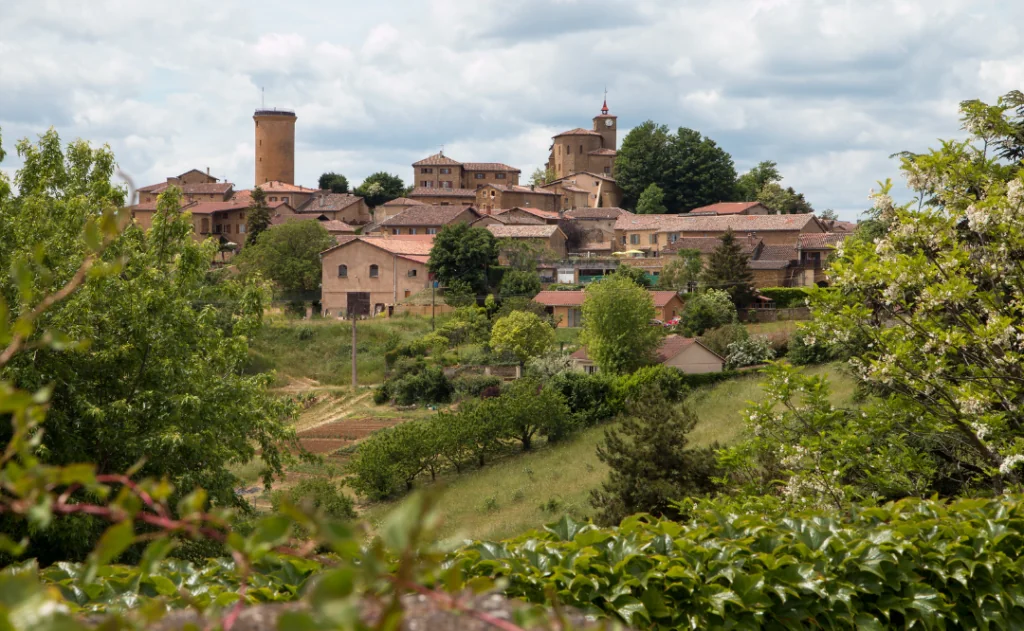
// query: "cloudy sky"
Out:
[828,89]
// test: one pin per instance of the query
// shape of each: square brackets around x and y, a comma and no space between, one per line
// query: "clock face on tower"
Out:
[608,122]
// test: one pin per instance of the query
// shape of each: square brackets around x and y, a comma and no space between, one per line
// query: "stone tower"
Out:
[606,125]
[275,146]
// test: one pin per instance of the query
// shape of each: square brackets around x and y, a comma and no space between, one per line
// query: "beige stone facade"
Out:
[600,191]
[225,221]
[426,219]
[586,150]
[651,233]
[378,272]
[442,172]
[444,196]
[275,146]
[493,197]
[549,240]
[350,209]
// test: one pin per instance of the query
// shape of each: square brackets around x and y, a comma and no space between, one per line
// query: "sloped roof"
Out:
[707,245]
[536,212]
[438,159]
[671,346]
[330,202]
[823,240]
[277,186]
[207,208]
[203,173]
[712,223]
[426,215]
[403,245]
[662,298]
[516,188]
[423,191]
[489,166]
[208,188]
[330,225]
[575,298]
[579,131]
[154,188]
[778,253]
[726,208]
[402,201]
[508,217]
[610,212]
[543,231]
[764,264]
[601,152]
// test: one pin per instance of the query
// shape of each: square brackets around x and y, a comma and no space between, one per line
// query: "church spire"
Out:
[604,107]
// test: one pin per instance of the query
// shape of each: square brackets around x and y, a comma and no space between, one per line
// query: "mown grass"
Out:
[782,327]
[528,490]
[320,349]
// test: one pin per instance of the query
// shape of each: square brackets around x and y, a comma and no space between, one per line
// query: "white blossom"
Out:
[1010,462]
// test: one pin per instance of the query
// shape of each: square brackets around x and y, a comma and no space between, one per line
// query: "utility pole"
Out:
[355,379]
[433,288]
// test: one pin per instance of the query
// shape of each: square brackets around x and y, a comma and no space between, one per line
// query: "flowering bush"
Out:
[749,352]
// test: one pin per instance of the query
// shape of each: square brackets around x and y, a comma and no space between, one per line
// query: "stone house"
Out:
[195,186]
[650,233]
[443,172]
[426,219]
[565,306]
[393,207]
[732,208]
[371,274]
[350,209]
[444,196]
[292,194]
[586,150]
[686,354]
[549,239]
[597,226]
[492,197]
[224,221]
[601,190]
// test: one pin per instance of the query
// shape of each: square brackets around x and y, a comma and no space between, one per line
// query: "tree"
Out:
[520,283]
[828,215]
[381,187]
[318,495]
[527,409]
[257,217]
[542,176]
[289,255]
[521,254]
[574,234]
[641,161]
[706,310]
[635,275]
[617,327]
[652,201]
[462,253]
[334,182]
[749,185]
[522,334]
[650,464]
[728,269]
[683,272]
[930,310]
[161,380]
[783,200]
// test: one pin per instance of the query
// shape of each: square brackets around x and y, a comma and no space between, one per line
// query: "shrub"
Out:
[548,365]
[669,381]
[749,352]
[428,386]
[473,385]
[465,325]
[515,303]
[786,297]
[527,409]
[707,310]
[521,283]
[588,397]
[388,462]
[304,332]
[719,338]
[317,494]
[805,349]
[897,566]
[522,334]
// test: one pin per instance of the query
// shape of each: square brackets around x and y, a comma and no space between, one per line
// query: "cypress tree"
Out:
[728,269]
[257,218]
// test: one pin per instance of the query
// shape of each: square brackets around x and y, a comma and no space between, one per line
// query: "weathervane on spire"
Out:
[604,107]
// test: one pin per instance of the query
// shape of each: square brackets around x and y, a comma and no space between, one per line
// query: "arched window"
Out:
[374,271]
[343,271]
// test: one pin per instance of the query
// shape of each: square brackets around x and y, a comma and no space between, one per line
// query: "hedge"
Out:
[786,297]
[910,564]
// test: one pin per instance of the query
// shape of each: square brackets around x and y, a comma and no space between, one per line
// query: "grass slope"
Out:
[523,492]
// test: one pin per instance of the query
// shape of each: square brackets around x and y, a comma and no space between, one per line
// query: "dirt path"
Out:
[331,411]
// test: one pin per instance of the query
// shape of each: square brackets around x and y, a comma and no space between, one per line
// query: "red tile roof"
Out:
[536,212]
[208,208]
[763,264]
[712,223]
[515,218]
[200,173]
[154,188]
[707,245]
[822,241]
[609,212]
[671,346]
[601,152]
[330,202]
[778,253]
[515,188]
[425,215]
[489,166]
[423,191]
[438,159]
[662,298]
[726,208]
[277,186]
[409,246]
[579,131]
[402,201]
[575,298]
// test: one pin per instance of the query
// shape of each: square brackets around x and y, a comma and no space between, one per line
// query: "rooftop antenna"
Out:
[442,150]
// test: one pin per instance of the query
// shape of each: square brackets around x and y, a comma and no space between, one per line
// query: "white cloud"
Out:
[828,89]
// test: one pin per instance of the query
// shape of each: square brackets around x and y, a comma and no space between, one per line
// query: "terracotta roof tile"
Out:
[403,245]
[601,152]
[154,188]
[726,208]
[609,212]
[331,202]
[423,191]
[711,223]
[579,131]
[208,208]
[672,345]
[767,265]
[489,166]
[438,159]
[515,218]
[522,232]
[276,186]
[575,298]
[707,245]
[778,253]
[204,174]
[822,241]
[516,188]
[425,215]
[208,188]
[402,201]
[536,212]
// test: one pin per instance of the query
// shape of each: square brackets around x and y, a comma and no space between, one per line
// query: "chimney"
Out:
[207,171]
[533,187]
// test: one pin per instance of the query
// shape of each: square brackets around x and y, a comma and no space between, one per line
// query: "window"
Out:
[216,229]
[623,239]
[431,230]
[273,199]
[445,171]
[412,273]
[343,271]
[673,237]
[654,239]
[412,230]
[204,226]
[446,184]
[607,169]
[445,204]
[284,199]
[426,170]
[499,176]
[590,370]
[396,231]
[241,215]
[241,228]
[478,176]
[407,293]
[227,229]
[634,239]
[568,148]
[374,271]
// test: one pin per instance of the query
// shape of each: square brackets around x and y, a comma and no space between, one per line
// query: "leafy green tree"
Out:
[617,327]
[750,184]
[683,272]
[706,310]
[333,182]
[652,201]
[635,275]
[381,187]
[389,461]
[783,200]
[728,269]
[528,409]
[257,217]
[459,294]
[522,334]
[642,160]
[828,215]
[161,380]
[481,427]
[289,255]
[462,253]
[317,495]
[521,255]
[542,176]
[719,338]
[520,283]
[650,463]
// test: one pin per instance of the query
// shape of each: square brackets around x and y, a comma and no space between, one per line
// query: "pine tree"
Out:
[727,269]
[257,218]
